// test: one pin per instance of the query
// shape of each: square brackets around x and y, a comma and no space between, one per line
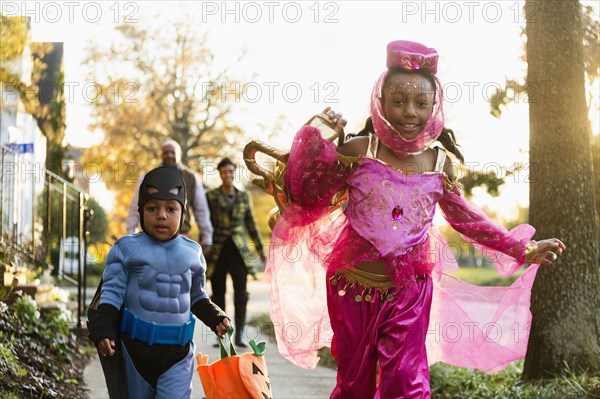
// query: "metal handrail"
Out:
[33,239]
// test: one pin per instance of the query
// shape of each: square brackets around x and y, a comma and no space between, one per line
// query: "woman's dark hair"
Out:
[446,138]
[224,162]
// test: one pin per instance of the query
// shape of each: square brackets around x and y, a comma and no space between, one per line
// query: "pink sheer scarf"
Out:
[390,136]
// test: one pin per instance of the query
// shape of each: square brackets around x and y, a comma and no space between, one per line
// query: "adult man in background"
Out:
[196,198]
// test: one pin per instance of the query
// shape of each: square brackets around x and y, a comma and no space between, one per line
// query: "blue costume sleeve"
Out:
[115,275]
[202,307]
[197,291]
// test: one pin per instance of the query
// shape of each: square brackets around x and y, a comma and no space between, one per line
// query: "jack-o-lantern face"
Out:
[253,371]
[238,376]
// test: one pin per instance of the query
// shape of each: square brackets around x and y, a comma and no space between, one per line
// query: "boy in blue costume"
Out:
[158,277]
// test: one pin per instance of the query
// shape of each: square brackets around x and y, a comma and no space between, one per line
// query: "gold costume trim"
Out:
[366,279]
[532,252]
[347,160]
[369,282]
[450,184]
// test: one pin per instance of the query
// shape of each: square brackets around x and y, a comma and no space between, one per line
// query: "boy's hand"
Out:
[222,327]
[106,347]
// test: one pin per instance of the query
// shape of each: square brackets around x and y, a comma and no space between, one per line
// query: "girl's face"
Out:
[407,101]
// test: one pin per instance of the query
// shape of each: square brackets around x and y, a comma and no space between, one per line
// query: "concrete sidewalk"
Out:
[287,380]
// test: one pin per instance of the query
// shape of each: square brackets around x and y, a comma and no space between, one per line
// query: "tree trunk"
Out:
[55,155]
[566,296]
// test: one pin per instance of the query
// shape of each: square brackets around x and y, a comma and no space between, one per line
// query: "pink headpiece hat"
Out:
[410,57]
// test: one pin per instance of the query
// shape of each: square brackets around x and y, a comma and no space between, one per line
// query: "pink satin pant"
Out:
[389,329]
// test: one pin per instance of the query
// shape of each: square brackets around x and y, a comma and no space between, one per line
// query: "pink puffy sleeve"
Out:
[300,242]
[315,171]
[505,248]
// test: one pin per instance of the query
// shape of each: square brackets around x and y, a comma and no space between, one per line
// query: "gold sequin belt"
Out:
[369,282]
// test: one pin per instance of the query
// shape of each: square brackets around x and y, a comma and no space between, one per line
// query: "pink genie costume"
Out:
[418,314]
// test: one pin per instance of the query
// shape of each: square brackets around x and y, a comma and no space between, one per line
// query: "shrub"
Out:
[449,382]
[39,357]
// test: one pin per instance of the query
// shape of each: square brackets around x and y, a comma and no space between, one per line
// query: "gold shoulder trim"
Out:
[347,160]
[451,184]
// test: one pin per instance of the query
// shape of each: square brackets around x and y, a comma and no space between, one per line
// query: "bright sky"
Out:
[309,55]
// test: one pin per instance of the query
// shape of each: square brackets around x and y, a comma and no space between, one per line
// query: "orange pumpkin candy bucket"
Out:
[235,376]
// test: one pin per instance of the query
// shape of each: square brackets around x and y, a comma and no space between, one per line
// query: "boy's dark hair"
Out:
[224,162]
[447,138]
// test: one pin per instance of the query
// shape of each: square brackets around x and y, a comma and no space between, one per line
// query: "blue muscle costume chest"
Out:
[156,281]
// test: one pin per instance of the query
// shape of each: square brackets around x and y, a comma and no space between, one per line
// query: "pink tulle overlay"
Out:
[470,326]
[474,326]
[298,285]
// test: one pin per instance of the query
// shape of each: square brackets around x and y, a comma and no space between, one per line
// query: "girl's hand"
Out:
[222,327]
[547,251]
[106,347]
[337,120]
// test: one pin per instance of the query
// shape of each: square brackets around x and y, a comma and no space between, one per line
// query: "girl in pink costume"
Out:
[379,265]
